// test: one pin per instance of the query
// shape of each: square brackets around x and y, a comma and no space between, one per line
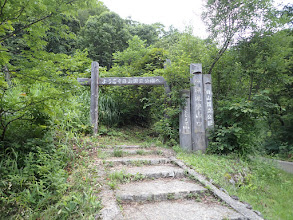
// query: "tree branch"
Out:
[6,126]
[30,24]
[19,13]
[219,55]
[26,26]
[2,7]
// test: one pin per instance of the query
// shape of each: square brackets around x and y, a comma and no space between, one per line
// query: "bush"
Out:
[236,131]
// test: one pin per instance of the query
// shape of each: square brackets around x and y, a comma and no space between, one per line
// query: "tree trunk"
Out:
[7,75]
[250,87]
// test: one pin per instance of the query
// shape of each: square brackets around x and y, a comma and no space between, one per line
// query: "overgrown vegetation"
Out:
[46,45]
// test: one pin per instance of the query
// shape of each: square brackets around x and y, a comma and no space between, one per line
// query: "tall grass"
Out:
[108,110]
[268,189]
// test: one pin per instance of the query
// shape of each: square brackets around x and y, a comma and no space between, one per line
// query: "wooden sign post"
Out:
[208,104]
[185,122]
[201,111]
[95,96]
[198,135]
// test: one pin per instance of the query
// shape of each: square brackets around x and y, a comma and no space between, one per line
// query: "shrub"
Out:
[236,131]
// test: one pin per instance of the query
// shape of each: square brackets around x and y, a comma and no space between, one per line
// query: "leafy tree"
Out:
[150,33]
[32,77]
[104,35]
[225,19]
[169,38]
[236,129]
[63,40]
[85,13]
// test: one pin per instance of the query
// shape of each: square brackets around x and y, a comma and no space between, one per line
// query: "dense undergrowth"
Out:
[52,181]
[43,174]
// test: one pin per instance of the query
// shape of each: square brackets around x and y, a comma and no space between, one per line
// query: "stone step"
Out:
[137,151]
[157,190]
[156,171]
[179,210]
[123,146]
[136,161]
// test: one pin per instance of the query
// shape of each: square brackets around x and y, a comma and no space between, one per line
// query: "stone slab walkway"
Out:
[159,186]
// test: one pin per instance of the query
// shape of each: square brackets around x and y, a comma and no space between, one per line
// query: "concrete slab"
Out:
[135,161]
[286,166]
[157,171]
[157,190]
[179,210]
[137,151]
[123,146]
[111,209]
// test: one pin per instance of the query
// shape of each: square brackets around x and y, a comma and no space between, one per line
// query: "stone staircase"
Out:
[151,184]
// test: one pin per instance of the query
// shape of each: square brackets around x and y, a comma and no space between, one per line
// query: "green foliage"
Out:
[40,100]
[118,153]
[236,131]
[132,102]
[80,200]
[122,177]
[28,107]
[151,105]
[95,10]
[104,35]
[226,21]
[146,32]
[259,69]
[42,107]
[28,21]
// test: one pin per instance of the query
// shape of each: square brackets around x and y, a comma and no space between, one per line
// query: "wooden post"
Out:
[167,98]
[95,96]
[185,122]
[167,63]
[198,136]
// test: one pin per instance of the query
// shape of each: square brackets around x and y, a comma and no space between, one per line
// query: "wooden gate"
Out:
[196,118]
[95,82]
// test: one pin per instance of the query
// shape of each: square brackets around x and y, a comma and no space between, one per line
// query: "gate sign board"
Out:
[124,81]
[95,82]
